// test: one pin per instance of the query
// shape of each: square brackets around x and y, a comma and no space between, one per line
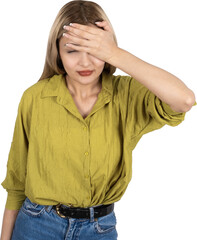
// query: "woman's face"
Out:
[75,61]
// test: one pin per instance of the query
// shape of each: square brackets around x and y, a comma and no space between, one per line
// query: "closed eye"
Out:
[72,51]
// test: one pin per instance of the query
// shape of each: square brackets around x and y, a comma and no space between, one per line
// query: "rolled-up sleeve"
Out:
[14,182]
[144,111]
[162,112]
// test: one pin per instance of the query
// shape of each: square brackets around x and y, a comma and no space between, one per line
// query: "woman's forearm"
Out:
[9,219]
[163,84]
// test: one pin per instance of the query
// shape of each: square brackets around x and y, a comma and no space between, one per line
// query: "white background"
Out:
[160,201]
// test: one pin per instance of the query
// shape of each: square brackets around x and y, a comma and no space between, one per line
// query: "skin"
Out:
[9,219]
[94,47]
[100,44]
[73,61]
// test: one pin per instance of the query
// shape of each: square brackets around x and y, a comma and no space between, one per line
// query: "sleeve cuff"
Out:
[15,200]
[169,110]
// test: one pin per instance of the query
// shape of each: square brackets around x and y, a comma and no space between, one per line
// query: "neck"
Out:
[80,91]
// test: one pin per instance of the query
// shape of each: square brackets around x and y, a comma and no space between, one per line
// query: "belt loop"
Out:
[91,214]
[48,208]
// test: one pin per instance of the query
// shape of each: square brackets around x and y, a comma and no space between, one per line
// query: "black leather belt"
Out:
[75,212]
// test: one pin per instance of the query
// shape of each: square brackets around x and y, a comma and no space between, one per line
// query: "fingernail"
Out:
[97,22]
[65,26]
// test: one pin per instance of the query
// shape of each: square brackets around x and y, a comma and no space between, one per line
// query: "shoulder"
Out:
[35,89]
[31,95]
[125,83]
[119,80]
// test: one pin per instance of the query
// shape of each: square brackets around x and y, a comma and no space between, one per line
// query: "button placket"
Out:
[86,153]
[86,170]
[86,165]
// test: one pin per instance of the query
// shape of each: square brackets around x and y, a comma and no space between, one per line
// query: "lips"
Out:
[85,73]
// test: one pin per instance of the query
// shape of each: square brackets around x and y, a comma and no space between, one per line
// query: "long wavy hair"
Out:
[78,11]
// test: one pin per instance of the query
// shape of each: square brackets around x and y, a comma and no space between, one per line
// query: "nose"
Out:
[84,59]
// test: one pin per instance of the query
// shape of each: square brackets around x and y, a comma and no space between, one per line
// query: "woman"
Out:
[70,158]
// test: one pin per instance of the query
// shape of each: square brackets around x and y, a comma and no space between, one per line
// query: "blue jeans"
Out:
[41,222]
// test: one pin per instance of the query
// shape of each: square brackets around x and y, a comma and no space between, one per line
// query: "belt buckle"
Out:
[58,210]
[63,216]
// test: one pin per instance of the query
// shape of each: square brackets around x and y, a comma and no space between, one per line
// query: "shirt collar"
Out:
[55,84]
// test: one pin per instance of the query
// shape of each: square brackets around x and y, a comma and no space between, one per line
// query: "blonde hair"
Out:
[78,11]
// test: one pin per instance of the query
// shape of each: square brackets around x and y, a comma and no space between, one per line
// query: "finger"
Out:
[79,32]
[105,25]
[85,28]
[76,39]
[77,47]
[72,34]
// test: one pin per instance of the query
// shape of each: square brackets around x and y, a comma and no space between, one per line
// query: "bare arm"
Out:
[163,84]
[101,44]
[8,223]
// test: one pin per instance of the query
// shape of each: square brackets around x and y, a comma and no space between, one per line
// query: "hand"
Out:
[95,41]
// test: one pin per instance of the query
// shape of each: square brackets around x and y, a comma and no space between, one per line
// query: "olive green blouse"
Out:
[57,156]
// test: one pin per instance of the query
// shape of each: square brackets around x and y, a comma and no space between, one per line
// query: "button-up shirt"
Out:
[57,156]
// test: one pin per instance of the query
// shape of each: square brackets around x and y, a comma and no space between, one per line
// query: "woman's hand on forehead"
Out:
[91,39]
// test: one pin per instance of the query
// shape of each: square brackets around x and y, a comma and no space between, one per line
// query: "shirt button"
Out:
[86,176]
[85,128]
[86,153]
